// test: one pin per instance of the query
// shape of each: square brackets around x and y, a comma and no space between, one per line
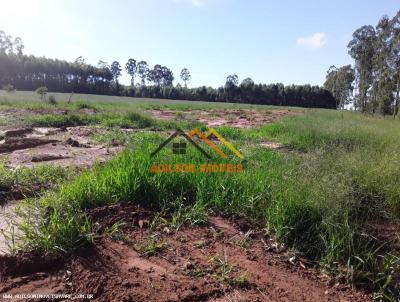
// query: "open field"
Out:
[314,213]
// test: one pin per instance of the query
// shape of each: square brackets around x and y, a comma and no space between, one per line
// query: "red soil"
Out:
[238,118]
[216,262]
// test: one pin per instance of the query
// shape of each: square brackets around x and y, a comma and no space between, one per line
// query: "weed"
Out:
[29,181]
[153,247]
[193,215]
[83,105]
[223,271]
[116,231]
[52,100]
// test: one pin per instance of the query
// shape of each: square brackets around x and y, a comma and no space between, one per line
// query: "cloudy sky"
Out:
[286,41]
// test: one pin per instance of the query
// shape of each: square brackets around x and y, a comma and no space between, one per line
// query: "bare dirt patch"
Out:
[271,145]
[29,147]
[387,232]
[216,262]
[238,118]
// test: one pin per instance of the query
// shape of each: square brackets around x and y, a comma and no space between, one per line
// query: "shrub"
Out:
[42,91]
[84,105]
[9,88]
[52,100]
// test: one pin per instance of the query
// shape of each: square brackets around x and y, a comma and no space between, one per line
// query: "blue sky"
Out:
[284,41]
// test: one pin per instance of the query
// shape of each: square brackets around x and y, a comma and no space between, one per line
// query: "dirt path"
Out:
[222,261]
[237,118]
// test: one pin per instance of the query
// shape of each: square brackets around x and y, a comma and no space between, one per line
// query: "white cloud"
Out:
[314,41]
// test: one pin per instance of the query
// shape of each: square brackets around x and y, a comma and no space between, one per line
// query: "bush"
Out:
[42,91]
[52,100]
[9,88]
[83,105]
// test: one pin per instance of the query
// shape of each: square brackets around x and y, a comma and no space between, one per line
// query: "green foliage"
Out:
[52,100]
[116,231]
[28,180]
[9,88]
[153,247]
[336,174]
[63,120]
[129,120]
[42,91]
[339,81]
[121,120]
[29,72]
[377,65]
[83,105]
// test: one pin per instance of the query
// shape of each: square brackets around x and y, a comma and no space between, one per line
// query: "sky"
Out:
[287,41]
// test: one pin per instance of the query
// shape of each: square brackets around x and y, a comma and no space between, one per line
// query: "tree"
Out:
[42,91]
[5,43]
[384,93]
[131,69]
[185,76]
[231,81]
[339,81]
[167,76]
[29,72]
[103,65]
[80,60]
[394,59]
[116,71]
[247,83]
[143,70]
[155,75]
[362,50]
[18,46]
[381,87]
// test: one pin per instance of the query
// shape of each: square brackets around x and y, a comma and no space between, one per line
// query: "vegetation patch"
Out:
[320,201]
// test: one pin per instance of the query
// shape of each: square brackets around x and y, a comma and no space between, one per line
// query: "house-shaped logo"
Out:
[180,148]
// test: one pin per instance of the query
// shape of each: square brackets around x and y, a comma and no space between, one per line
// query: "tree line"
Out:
[27,72]
[373,84]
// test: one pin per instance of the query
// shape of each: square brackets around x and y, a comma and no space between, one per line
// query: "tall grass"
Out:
[338,178]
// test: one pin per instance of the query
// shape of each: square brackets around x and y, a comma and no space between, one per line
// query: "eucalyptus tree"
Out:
[339,81]
[5,43]
[167,76]
[143,70]
[247,83]
[18,46]
[131,69]
[394,59]
[231,81]
[185,76]
[362,50]
[116,71]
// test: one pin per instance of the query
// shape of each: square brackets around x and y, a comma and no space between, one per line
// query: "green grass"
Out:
[30,181]
[337,177]
[29,99]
